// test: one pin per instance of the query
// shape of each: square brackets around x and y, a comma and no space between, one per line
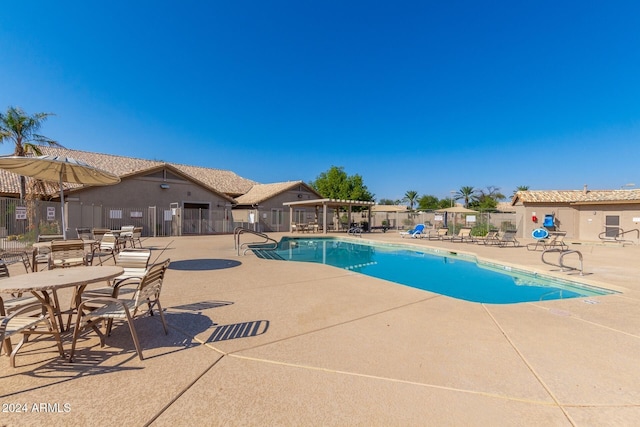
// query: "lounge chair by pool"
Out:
[414,232]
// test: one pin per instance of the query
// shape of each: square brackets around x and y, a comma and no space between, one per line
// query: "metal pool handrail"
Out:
[238,231]
[561,258]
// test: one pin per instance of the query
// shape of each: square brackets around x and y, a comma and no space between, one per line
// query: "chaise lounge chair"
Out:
[464,235]
[491,238]
[555,240]
[439,234]
[414,232]
[509,236]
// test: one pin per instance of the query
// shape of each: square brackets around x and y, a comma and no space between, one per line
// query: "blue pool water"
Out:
[453,275]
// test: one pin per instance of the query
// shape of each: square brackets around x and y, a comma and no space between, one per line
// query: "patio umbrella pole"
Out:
[64,228]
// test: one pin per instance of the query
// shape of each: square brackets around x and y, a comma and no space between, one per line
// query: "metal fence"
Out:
[22,221]
[161,220]
[480,222]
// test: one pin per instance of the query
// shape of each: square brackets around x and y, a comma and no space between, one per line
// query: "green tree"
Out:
[22,130]
[386,202]
[468,194]
[411,197]
[445,203]
[493,192]
[336,184]
[487,199]
[428,202]
[520,188]
[483,203]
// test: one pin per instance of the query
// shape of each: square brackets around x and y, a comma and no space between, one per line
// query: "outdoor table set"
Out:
[42,252]
[44,286]
[306,227]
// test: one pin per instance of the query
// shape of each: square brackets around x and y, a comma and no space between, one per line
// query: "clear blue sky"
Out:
[411,95]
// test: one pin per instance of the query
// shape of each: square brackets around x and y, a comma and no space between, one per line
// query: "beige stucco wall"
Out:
[592,220]
[565,218]
[85,206]
[581,222]
[263,215]
[145,191]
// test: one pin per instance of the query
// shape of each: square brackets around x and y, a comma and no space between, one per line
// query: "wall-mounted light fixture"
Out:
[164,186]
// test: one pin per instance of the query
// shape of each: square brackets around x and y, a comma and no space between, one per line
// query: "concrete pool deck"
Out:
[261,342]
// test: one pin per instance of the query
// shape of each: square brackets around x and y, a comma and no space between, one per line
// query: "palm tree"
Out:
[22,129]
[411,197]
[520,188]
[467,194]
[494,193]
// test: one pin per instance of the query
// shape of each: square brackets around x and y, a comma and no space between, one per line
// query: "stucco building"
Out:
[167,198]
[586,215]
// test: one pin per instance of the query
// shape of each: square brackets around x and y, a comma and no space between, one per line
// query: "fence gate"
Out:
[197,221]
[153,221]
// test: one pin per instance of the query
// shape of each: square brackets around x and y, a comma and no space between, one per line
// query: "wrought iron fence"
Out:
[21,221]
[480,222]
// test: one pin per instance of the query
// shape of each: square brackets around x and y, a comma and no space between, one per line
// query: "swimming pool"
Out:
[457,276]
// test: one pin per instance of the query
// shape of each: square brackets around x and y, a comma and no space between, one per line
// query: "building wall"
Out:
[263,213]
[592,220]
[580,222]
[87,207]
[564,214]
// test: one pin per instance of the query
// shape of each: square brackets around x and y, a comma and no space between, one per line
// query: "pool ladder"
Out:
[558,291]
[355,231]
[268,244]
[560,263]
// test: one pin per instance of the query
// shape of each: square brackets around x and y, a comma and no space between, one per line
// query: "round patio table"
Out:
[40,283]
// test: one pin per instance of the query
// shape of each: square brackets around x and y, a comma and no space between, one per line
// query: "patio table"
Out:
[40,283]
[39,246]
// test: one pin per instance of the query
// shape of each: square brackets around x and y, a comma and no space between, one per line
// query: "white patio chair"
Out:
[107,247]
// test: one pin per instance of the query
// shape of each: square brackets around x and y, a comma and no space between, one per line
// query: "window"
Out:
[276,216]
[612,226]
[299,216]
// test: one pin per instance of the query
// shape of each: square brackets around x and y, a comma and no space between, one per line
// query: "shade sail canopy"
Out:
[59,169]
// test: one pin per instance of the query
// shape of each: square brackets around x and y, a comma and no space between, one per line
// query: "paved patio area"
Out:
[260,342]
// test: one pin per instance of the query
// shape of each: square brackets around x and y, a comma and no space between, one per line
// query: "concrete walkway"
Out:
[261,342]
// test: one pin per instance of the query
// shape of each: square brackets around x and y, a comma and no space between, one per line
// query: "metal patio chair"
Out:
[147,294]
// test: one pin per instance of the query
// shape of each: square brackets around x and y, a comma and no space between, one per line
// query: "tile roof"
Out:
[222,181]
[389,208]
[577,196]
[505,207]
[261,192]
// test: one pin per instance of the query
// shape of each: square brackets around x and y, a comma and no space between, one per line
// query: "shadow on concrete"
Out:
[202,305]
[203,264]
[238,330]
